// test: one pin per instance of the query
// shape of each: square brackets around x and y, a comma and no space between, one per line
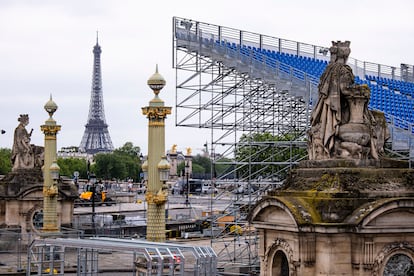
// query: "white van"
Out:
[207,187]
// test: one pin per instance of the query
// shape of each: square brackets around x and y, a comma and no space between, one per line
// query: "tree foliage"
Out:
[202,166]
[257,151]
[203,162]
[198,169]
[69,165]
[128,149]
[5,161]
[222,167]
[122,163]
[180,168]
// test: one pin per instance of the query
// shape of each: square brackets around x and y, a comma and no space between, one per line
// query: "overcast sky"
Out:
[46,48]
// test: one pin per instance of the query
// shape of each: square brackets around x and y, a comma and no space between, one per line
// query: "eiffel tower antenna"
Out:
[96,136]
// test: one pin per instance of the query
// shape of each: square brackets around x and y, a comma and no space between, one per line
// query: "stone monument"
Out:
[21,190]
[24,154]
[341,124]
[348,210]
[172,155]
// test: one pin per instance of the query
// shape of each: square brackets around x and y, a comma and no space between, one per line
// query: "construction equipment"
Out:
[100,197]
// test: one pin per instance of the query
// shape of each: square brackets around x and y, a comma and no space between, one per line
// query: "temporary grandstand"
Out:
[237,83]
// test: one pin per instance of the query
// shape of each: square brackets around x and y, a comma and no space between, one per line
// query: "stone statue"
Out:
[341,124]
[174,149]
[24,155]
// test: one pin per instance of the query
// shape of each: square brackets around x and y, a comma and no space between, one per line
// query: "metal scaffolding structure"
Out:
[258,112]
[232,95]
[237,97]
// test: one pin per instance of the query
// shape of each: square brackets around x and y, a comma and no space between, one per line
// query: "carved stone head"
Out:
[341,49]
[24,119]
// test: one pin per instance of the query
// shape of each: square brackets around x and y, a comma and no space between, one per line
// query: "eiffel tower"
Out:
[96,136]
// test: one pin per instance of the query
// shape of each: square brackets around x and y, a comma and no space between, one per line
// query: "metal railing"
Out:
[206,31]
[100,255]
[14,245]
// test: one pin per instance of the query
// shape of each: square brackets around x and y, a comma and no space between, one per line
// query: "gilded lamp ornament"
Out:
[52,190]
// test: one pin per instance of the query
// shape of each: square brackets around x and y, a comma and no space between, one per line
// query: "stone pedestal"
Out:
[21,202]
[338,217]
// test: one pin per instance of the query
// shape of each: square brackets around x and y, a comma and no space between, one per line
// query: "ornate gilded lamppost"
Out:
[156,195]
[50,170]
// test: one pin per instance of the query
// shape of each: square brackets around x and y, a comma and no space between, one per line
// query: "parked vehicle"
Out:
[208,188]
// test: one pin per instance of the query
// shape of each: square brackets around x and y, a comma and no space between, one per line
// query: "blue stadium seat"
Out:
[387,95]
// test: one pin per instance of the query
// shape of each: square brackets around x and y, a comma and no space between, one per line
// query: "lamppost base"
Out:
[50,234]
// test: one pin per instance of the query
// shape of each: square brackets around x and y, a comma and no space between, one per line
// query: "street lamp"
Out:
[187,172]
[92,180]
[156,113]
[144,168]
[164,171]
[54,172]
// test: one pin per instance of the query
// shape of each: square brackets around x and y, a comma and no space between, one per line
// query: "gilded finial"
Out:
[50,106]
[174,148]
[156,82]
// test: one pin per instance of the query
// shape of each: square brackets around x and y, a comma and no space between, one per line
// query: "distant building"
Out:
[73,152]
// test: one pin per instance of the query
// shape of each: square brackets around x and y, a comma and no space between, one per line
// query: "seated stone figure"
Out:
[341,125]
[24,155]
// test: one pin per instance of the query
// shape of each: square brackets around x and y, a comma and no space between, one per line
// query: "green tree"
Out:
[122,163]
[265,155]
[69,165]
[197,168]
[130,155]
[203,165]
[109,166]
[222,166]
[5,161]
[129,149]
[203,162]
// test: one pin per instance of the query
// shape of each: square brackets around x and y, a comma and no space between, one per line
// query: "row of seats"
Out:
[406,88]
[394,97]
